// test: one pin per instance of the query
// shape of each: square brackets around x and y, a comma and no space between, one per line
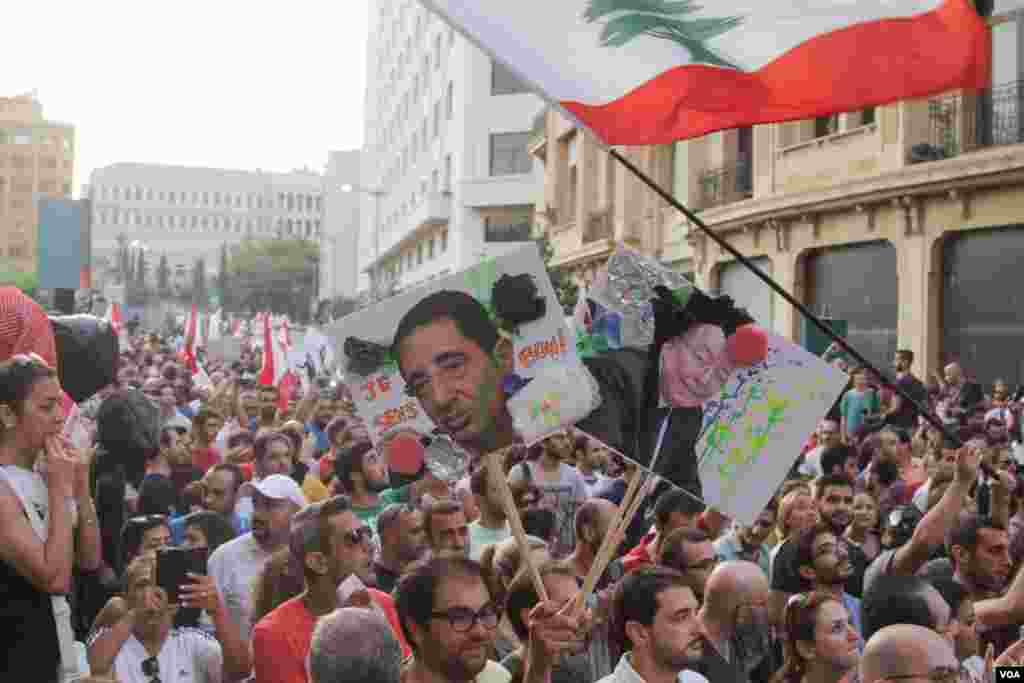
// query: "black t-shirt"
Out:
[786,578]
[906,416]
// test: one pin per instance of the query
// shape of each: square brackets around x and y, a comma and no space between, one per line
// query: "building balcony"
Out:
[963,122]
[599,226]
[726,184]
[433,210]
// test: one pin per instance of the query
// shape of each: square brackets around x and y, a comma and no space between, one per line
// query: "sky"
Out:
[218,83]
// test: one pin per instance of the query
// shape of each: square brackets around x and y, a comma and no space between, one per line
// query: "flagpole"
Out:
[778,289]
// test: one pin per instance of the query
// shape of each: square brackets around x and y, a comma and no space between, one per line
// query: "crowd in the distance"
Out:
[889,553]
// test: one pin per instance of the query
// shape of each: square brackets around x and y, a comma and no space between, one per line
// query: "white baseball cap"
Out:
[280,487]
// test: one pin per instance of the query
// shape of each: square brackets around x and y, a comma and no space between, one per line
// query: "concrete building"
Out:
[907,221]
[187,213]
[339,239]
[447,176]
[37,159]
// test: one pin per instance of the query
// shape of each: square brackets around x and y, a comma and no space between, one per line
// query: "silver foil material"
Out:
[445,461]
[626,285]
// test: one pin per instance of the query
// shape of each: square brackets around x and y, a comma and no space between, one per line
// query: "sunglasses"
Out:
[151,669]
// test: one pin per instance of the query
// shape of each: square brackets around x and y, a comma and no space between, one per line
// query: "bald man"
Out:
[905,651]
[735,618]
[354,645]
[959,396]
[592,523]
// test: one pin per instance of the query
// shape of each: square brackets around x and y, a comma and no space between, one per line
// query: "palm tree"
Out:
[656,18]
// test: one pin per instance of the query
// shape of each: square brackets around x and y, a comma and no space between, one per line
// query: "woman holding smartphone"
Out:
[44,487]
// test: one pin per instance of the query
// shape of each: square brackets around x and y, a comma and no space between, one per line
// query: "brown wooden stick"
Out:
[496,472]
[609,544]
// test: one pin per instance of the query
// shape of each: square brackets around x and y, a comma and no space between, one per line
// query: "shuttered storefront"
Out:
[983,303]
[858,283]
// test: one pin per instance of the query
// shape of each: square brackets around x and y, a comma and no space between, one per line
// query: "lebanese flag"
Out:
[642,72]
[275,365]
[284,335]
[236,329]
[188,354]
[113,317]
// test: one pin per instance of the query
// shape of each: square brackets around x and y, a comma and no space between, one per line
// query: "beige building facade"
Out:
[905,221]
[37,159]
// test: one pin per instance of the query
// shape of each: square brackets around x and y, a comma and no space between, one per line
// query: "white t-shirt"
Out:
[811,466]
[480,537]
[188,656]
[563,497]
[921,495]
[234,567]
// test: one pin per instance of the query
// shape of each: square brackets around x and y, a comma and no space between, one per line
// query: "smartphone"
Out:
[173,565]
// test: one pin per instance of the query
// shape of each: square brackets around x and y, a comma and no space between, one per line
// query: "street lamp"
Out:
[376,194]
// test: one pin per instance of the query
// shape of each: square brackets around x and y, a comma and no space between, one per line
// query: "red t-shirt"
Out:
[205,458]
[280,641]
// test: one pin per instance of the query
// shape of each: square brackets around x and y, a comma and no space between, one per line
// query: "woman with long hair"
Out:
[44,487]
[820,642]
[865,529]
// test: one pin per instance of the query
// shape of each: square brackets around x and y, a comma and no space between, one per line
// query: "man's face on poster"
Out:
[456,382]
[694,366]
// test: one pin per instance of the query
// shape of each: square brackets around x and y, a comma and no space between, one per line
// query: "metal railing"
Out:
[727,183]
[959,123]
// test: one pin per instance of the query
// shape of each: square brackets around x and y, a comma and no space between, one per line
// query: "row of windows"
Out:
[28,136]
[436,184]
[46,163]
[426,250]
[306,228]
[390,135]
[288,201]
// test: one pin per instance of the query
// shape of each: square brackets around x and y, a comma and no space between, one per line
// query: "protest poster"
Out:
[754,430]
[469,350]
[225,349]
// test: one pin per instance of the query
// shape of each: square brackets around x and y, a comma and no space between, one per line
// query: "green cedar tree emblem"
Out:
[661,19]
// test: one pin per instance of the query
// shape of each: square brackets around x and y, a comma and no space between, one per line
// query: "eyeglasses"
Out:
[940,674]
[151,669]
[463,619]
[363,534]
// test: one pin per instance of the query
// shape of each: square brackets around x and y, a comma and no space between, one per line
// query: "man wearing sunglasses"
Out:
[330,546]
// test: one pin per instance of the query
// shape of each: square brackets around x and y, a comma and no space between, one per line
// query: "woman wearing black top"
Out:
[40,477]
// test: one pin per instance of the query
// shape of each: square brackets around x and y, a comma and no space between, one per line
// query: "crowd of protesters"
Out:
[889,553]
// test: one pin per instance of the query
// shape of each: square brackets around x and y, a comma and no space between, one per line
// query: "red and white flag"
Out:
[642,72]
[188,353]
[275,364]
[236,329]
[284,335]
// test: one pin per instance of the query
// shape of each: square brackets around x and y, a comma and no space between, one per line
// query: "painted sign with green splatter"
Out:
[754,431]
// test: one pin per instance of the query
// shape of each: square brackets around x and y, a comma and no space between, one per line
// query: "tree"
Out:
[277,275]
[566,290]
[222,278]
[163,277]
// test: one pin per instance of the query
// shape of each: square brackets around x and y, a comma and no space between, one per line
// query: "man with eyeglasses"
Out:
[328,545]
[911,653]
[450,620]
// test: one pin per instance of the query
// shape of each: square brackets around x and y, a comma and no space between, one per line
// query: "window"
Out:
[450,101]
[430,248]
[509,154]
[444,241]
[419,254]
[504,82]
[512,228]
[867,116]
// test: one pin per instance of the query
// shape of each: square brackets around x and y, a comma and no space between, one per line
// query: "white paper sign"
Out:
[753,434]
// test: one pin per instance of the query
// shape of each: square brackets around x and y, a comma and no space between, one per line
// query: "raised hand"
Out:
[60,468]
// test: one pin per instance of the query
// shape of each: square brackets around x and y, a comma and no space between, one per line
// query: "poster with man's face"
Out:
[447,357]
